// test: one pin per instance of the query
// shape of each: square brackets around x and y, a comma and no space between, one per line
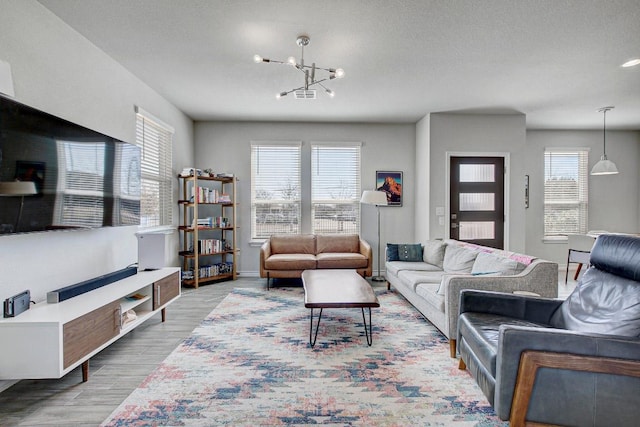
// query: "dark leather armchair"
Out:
[574,362]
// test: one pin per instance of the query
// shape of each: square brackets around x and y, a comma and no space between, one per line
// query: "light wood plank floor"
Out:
[119,369]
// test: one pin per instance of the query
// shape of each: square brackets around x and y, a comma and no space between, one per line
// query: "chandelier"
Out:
[309,71]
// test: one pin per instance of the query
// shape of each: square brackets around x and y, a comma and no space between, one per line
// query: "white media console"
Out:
[50,340]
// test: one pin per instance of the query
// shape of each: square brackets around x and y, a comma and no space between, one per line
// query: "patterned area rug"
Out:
[250,363]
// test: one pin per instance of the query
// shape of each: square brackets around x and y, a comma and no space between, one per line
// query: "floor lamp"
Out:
[376,198]
[18,189]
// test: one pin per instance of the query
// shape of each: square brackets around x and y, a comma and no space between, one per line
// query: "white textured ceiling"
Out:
[557,61]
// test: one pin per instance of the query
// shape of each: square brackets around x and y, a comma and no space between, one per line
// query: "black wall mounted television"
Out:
[81,178]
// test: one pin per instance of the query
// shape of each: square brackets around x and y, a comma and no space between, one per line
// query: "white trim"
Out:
[563,149]
[6,81]
[276,143]
[447,190]
[153,229]
[337,143]
[148,116]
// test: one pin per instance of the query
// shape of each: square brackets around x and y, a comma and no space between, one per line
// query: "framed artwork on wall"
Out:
[391,183]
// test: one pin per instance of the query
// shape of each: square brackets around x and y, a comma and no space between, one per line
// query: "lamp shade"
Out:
[372,197]
[17,188]
[604,167]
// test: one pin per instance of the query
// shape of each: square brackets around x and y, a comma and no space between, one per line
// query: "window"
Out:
[275,188]
[335,188]
[155,138]
[565,192]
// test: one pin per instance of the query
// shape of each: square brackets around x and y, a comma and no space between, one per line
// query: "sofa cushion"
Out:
[293,244]
[345,243]
[444,281]
[458,259]
[414,278]
[486,263]
[341,260]
[601,303]
[407,252]
[433,252]
[394,267]
[481,332]
[429,291]
[290,262]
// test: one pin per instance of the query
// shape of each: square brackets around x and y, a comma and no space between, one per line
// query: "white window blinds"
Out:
[335,188]
[275,188]
[155,139]
[566,191]
[81,183]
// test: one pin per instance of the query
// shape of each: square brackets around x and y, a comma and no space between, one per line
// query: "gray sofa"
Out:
[432,274]
[574,362]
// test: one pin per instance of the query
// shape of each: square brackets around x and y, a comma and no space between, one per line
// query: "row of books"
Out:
[217,221]
[209,195]
[212,246]
[209,271]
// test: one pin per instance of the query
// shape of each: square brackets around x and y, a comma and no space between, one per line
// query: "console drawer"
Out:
[165,289]
[84,334]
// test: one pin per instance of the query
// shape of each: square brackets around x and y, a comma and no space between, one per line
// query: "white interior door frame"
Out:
[447,190]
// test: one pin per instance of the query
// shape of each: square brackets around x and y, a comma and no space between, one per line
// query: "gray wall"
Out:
[479,134]
[225,147]
[614,200]
[58,71]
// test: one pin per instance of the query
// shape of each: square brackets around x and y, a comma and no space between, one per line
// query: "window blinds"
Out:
[275,188]
[335,188]
[566,192]
[155,138]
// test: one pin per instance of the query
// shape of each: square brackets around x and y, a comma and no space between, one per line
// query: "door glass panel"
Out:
[475,230]
[477,202]
[477,173]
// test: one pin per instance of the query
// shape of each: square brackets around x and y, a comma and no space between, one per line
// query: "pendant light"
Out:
[604,166]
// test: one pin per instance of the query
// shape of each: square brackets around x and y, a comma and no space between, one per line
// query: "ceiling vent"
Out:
[305,94]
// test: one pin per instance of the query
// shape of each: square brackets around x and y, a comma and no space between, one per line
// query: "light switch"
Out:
[441,220]
[439,210]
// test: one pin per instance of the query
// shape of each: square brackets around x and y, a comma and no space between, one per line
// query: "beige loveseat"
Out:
[432,274]
[288,255]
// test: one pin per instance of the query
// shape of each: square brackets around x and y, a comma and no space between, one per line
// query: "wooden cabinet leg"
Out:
[164,314]
[85,371]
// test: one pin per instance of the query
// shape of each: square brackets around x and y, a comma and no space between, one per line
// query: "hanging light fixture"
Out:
[304,92]
[604,166]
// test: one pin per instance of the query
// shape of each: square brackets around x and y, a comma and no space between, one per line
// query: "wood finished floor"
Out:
[119,369]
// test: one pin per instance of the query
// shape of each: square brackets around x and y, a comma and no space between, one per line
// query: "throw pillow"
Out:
[433,252]
[404,252]
[392,252]
[488,263]
[410,252]
[458,259]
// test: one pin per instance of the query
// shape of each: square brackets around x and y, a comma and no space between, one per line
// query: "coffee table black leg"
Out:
[368,333]
[313,342]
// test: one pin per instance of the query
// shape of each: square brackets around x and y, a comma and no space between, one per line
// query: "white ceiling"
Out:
[557,61]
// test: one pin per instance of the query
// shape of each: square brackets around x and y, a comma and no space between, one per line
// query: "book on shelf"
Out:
[208,195]
[210,246]
[211,222]
[136,297]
